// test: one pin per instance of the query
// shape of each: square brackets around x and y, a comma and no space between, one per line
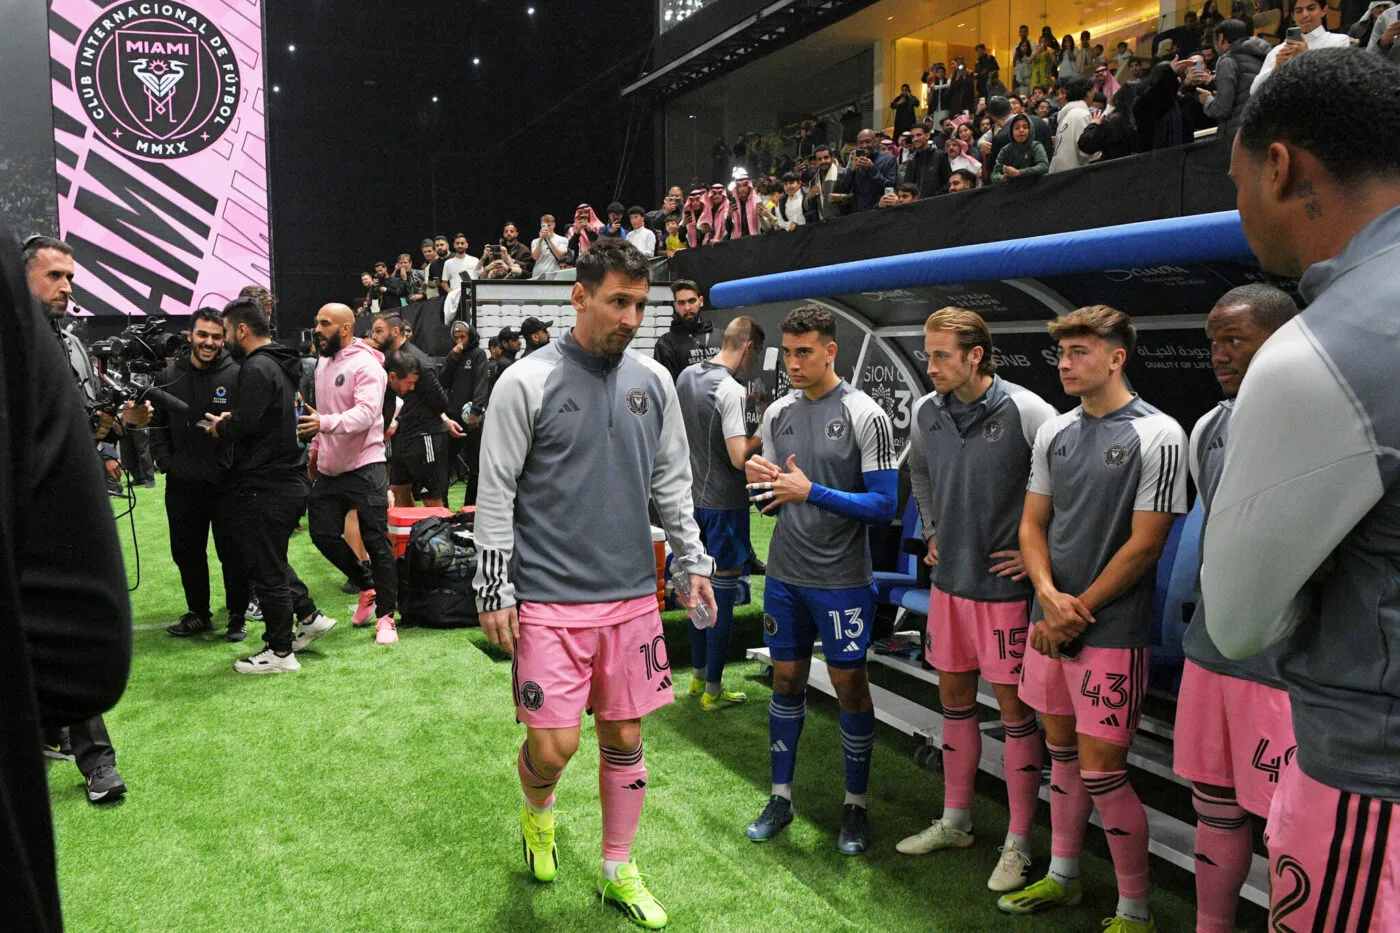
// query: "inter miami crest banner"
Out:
[161,148]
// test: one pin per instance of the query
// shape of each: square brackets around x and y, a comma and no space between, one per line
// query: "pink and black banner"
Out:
[161,146]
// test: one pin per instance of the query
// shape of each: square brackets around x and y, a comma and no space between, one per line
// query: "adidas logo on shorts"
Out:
[1110,720]
[665,683]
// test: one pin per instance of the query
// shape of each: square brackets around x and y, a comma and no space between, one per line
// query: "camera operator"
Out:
[65,621]
[196,472]
[48,265]
[269,484]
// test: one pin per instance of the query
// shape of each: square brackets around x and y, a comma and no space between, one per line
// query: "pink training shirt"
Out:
[350,398]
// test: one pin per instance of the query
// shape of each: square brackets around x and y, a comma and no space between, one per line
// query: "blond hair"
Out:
[970,330]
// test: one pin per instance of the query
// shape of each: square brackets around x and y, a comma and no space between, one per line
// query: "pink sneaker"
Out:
[364,613]
[385,631]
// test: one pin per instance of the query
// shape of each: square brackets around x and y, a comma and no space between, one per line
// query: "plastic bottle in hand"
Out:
[701,616]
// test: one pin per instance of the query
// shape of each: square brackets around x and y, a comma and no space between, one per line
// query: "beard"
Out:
[53,310]
[235,350]
[329,346]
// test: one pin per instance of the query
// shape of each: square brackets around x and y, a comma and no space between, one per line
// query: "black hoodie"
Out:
[462,373]
[181,449]
[687,343]
[262,432]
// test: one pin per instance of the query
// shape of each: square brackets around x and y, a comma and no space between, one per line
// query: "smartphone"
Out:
[889,191]
[1198,67]
[1294,34]
[204,423]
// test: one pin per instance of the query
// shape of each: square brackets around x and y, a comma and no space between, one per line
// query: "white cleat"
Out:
[939,835]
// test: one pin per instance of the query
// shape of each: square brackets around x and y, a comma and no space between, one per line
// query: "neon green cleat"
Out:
[1124,925]
[697,687]
[537,841]
[1043,895]
[723,701]
[630,895]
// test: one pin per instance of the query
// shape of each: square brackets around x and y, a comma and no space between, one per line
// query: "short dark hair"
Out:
[402,364]
[806,319]
[821,147]
[636,209]
[966,175]
[1354,134]
[790,176]
[611,255]
[440,236]
[998,106]
[212,315]
[392,321]
[460,236]
[1270,307]
[425,243]
[510,223]
[1077,87]
[36,243]
[681,285]
[248,312]
[909,187]
[1100,321]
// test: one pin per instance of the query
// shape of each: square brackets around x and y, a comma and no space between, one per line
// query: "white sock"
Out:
[958,819]
[1020,843]
[857,799]
[1134,909]
[610,868]
[535,808]
[1064,870]
[783,790]
[713,688]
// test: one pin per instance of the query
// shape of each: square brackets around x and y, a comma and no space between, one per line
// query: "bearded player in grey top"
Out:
[578,436]
[1303,544]
[1106,481]
[828,468]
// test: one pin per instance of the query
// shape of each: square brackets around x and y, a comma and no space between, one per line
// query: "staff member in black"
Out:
[196,472]
[461,374]
[269,484]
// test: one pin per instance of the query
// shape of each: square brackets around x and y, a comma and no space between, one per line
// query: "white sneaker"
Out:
[267,661]
[938,836]
[312,629]
[1013,871]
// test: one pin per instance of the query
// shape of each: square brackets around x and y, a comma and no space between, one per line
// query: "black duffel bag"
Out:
[435,574]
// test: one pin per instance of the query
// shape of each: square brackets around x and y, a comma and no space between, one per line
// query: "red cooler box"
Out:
[402,520]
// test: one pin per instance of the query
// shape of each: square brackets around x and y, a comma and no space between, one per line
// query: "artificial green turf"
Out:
[377,790]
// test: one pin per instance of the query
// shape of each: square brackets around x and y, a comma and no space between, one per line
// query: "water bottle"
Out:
[701,616]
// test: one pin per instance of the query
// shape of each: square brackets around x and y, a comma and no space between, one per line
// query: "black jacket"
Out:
[494,368]
[929,170]
[181,449]
[1115,137]
[424,407]
[462,373]
[262,432]
[685,344]
[65,621]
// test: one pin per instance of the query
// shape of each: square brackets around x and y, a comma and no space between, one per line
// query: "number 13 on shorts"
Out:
[846,625]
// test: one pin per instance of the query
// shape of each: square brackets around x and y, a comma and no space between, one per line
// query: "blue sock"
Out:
[726,591]
[785,717]
[857,740]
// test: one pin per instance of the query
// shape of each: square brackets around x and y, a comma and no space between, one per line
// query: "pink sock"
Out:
[962,749]
[1125,824]
[1224,850]
[1070,803]
[536,782]
[622,781]
[1022,760]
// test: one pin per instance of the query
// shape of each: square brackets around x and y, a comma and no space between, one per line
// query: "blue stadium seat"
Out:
[889,585]
[1176,583]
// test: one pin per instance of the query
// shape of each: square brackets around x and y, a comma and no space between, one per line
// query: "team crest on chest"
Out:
[638,401]
[836,430]
[993,431]
[1116,456]
[340,380]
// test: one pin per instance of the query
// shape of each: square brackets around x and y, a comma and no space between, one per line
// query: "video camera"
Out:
[139,350]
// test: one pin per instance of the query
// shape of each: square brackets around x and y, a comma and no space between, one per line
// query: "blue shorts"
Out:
[726,536]
[796,616]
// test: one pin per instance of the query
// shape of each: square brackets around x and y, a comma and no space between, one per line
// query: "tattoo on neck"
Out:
[1305,190]
[1314,210]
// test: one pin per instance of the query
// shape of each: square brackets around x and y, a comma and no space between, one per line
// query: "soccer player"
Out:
[969,460]
[1235,733]
[579,434]
[1303,545]
[1106,480]
[835,445]
[712,404]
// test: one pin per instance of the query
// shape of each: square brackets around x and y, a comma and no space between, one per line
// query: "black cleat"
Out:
[349,588]
[189,626]
[237,630]
[855,830]
[771,821]
[105,785]
[757,567]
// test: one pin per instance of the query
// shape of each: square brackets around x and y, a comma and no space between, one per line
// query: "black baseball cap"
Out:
[508,334]
[533,325]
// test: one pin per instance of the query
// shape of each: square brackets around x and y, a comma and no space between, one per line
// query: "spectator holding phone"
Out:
[1308,32]
[550,251]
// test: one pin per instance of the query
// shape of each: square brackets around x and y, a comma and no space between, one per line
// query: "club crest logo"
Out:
[993,431]
[836,430]
[638,401]
[158,80]
[221,392]
[531,695]
[340,380]
[770,624]
[1116,456]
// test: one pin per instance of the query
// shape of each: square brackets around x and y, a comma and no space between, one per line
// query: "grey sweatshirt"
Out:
[1312,472]
[573,446]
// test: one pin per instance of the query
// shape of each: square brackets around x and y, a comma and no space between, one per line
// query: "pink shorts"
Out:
[617,672]
[1334,859]
[1102,689]
[1233,733]
[970,635]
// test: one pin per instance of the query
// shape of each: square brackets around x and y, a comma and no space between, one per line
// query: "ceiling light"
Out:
[435,98]
[276,89]
[530,11]
[476,61]
[292,47]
